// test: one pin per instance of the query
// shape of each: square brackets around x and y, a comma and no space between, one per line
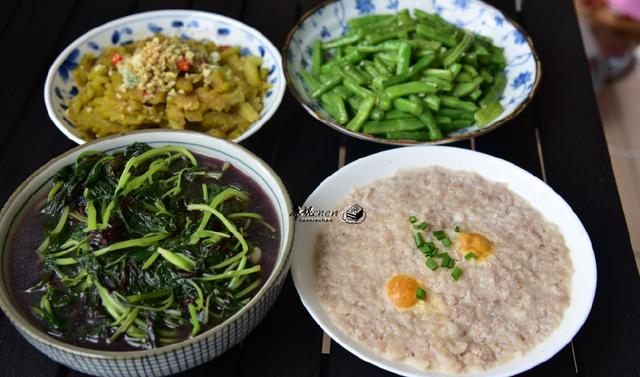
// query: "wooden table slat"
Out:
[303,152]
[288,332]
[23,72]
[578,168]
[8,13]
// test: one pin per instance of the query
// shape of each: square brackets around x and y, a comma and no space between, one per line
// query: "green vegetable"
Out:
[145,259]
[432,264]
[421,294]
[470,255]
[495,91]
[361,116]
[413,87]
[412,67]
[488,113]
[456,273]
[408,106]
[382,127]
[316,58]
[423,225]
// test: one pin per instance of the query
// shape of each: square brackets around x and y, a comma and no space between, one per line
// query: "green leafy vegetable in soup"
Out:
[147,246]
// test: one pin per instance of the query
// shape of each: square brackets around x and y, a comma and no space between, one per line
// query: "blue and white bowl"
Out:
[329,20]
[176,357]
[188,24]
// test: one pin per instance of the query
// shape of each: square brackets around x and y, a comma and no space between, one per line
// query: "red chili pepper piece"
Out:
[116,58]
[183,65]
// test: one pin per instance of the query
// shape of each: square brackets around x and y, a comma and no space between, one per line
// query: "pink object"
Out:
[629,8]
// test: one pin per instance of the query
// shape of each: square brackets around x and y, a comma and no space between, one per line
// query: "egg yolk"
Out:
[401,291]
[475,243]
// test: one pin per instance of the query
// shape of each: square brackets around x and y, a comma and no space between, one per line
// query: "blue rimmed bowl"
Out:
[172,358]
[329,20]
[187,24]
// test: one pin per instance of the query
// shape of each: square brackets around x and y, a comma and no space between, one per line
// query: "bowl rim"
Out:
[51,73]
[362,136]
[280,268]
[347,341]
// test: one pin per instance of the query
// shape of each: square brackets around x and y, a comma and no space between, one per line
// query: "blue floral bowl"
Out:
[60,85]
[329,20]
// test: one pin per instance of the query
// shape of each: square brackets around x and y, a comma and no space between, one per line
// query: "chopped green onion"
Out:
[421,294]
[431,263]
[446,260]
[423,225]
[439,234]
[419,239]
[470,255]
[456,273]
[428,249]
[446,241]
[458,229]
[413,219]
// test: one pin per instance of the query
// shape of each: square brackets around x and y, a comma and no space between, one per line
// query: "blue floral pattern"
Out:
[329,22]
[518,38]
[68,65]
[522,79]
[365,6]
[462,4]
[324,33]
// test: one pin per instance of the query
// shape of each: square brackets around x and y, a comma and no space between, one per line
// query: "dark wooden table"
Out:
[558,138]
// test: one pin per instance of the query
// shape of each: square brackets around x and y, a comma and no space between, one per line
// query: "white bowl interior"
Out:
[205,145]
[536,192]
[329,22]
[60,85]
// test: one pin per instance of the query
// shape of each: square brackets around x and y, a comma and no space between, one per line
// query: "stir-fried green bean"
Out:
[394,67]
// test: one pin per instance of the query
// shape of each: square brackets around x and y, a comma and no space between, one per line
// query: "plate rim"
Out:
[404,369]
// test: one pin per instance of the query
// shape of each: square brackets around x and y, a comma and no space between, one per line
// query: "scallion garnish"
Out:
[419,239]
[413,219]
[458,229]
[471,255]
[456,273]
[420,293]
[423,225]
[428,249]
[447,262]
[431,263]
[439,234]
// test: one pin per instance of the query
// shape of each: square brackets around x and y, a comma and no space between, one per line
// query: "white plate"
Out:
[384,164]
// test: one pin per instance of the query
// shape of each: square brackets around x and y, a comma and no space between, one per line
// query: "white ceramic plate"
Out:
[60,85]
[384,164]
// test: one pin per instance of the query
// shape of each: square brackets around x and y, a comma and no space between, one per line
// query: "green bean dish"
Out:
[142,248]
[407,78]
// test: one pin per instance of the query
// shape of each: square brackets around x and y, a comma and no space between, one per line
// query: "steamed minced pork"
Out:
[168,82]
[510,294]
